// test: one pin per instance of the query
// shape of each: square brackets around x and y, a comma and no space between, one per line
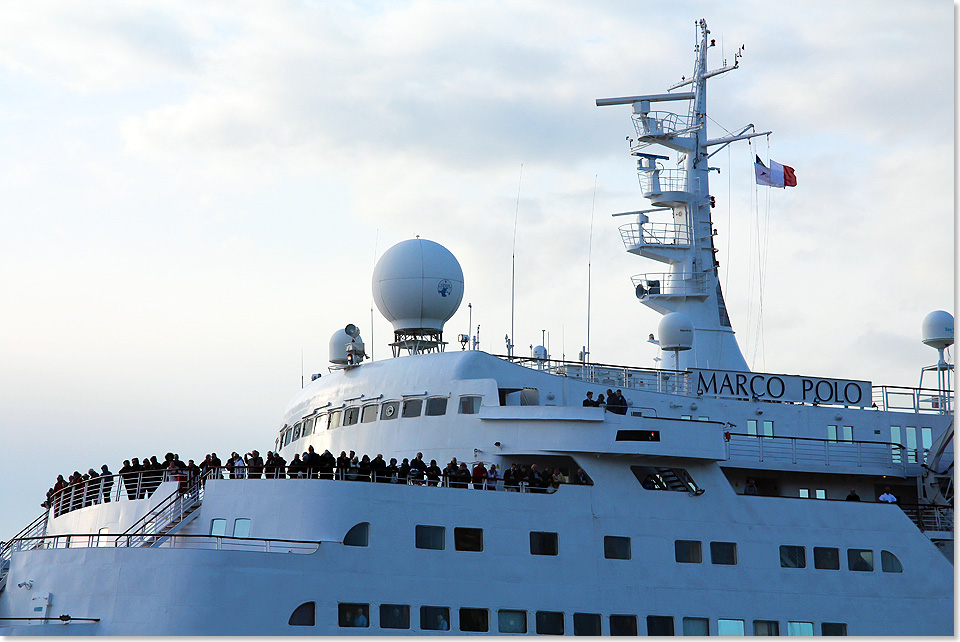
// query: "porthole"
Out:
[389,410]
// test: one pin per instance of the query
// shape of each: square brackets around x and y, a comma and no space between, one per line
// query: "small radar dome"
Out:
[417,285]
[938,330]
[676,332]
[346,346]
[539,352]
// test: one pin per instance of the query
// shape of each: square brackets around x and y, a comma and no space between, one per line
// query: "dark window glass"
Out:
[696,626]
[469,405]
[688,551]
[287,435]
[304,615]
[435,618]
[623,625]
[369,414]
[766,627]
[308,427]
[354,615]
[468,539]
[549,623]
[889,563]
[394,616]
[586,624]
[389,410]
[359,535]
[793,557]
[473,620]
[723,553]
[411,407]
[616,548]
[859,559]
[543,543]
[512,621]
[296,431]
[350,416]
[430,537]
[833,628]
[436,406]
[826,558]
[659,625]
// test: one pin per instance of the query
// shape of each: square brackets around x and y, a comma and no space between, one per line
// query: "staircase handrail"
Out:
[140,528]
[30,531]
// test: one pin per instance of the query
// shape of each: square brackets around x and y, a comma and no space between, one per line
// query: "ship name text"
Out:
[772,387]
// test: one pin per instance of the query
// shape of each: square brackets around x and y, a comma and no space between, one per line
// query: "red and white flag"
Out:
[776,175]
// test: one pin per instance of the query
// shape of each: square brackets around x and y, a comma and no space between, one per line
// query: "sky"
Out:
[193,197]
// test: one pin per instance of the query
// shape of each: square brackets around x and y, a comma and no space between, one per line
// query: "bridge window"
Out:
[412,407]
[394,616]
[511,621]
[826,558]
[793,557]
[351,416]
[723,553]
[623,625]
[369,413]
[469,405]
[353,615]
[473,620]
[889,563]
[659,625]
[543,543]
[616,548]
[334,419]
[430,537]
[308,426]
[688,551]
[287,435]
[359,535]
[389,410]
[859,559]
[766,627]
[697,626]
[296,431]
[549,623]
[468,539]
[586,624]
[436,406]
[731,627]
[304,615]
[435,618]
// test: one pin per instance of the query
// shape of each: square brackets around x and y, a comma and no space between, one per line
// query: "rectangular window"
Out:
[394,616]
[308,426]
[687,417]
[334,420]
[296,431]
[766,627]
[767,428]
[351,416]
[804,493]
[287,435]
[832,434]
[430,537]
[436,406]
[353,615]
[468,539]
[623,625]
[895,451]
[511,621]
[659,625]
[723,553]
[616,548]
[911,445]
[848,434]
[730,627]
[826,558]
[833,629]
[926,440]
[821,493]
[793,557]
[435,618]
[218,527]
[799,628]
[389,410]
[859,559]
[688,551]
[469,405]
[241,528]
[703,418]
[369,413]
[752,427]
[543,543]
[586,624]
[412,407]
[697,626]
[473,620]
[549,623]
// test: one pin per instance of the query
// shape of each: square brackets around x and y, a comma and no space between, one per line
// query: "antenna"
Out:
[301,368]
[513,274]
[589,266]
[376,238]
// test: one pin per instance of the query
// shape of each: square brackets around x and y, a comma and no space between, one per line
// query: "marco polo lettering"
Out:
[772,387]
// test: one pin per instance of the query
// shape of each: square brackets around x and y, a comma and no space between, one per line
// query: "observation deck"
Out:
[652,127]
[659,241]
[664,187]
[669,285]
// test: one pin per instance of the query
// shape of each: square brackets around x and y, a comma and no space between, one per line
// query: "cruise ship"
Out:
[699,498]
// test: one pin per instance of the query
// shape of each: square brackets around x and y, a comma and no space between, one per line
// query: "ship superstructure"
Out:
[713,502]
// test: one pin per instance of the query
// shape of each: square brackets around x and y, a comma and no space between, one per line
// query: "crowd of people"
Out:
[614,402]
[140,479]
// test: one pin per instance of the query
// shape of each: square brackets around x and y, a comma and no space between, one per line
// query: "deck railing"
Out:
[205,542]
[808,450]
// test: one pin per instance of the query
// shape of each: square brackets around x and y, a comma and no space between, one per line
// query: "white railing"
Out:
[921,400]
[662,123]
[670,284]
[636,234]
[204,542]
[662,180]
[808,450]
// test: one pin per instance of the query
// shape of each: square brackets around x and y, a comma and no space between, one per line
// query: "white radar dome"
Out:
[938,329]
[343,343]
[417,285]
[676,332]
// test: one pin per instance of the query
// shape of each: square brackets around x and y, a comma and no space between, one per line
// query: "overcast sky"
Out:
[195,194]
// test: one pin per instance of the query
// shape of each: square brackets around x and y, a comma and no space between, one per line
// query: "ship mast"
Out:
[684,241]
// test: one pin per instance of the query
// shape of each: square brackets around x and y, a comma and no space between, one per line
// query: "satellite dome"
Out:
[676,332]
[417,285]
[938,329]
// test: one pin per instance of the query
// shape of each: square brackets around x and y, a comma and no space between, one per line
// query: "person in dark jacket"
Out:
[106,482]
[327,463]
[312,462]
[343,464]
[433,473]
[378,468]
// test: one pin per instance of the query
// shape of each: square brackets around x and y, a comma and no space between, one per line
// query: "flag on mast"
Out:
[776,175]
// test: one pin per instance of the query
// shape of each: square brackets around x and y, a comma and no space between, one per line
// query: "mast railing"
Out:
[669,284]
[636,234]
[661,123]
[657,181]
